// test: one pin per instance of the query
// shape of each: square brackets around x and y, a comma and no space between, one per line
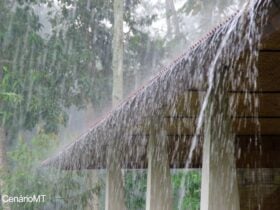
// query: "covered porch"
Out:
[157,127]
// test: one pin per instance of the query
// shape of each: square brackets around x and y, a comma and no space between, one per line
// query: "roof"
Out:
[171,100]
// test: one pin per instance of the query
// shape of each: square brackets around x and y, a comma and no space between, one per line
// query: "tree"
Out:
[117,48]
[172,19]
[114,179]
[36,84]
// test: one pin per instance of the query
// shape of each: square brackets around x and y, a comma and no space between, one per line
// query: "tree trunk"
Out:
[117,63]
[168,19]
[172,18]
[114,181]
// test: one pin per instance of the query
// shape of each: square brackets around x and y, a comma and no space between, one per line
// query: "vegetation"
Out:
[191,189]
[63,190]
[135,186]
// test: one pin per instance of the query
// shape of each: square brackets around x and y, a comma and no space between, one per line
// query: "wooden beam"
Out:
[269,104]
[259,189]
[250,152]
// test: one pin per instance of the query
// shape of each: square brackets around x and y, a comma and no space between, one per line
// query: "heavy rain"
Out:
[130,105]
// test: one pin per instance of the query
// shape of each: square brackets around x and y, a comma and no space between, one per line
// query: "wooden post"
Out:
[219,188]
[159,189]
[114,199]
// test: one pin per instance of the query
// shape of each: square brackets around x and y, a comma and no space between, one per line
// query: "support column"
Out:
[114,199]
[159,189]
[219,188]
[93,182]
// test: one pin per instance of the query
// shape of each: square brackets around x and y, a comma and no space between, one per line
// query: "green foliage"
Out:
[192,6]
[22,177]
[66,190]
[39,78]
[84,45]
[191,187]
[9,99]
[22,79]
[71,67]
[135,189]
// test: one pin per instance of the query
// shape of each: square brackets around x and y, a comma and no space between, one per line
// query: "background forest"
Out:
[63,63]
